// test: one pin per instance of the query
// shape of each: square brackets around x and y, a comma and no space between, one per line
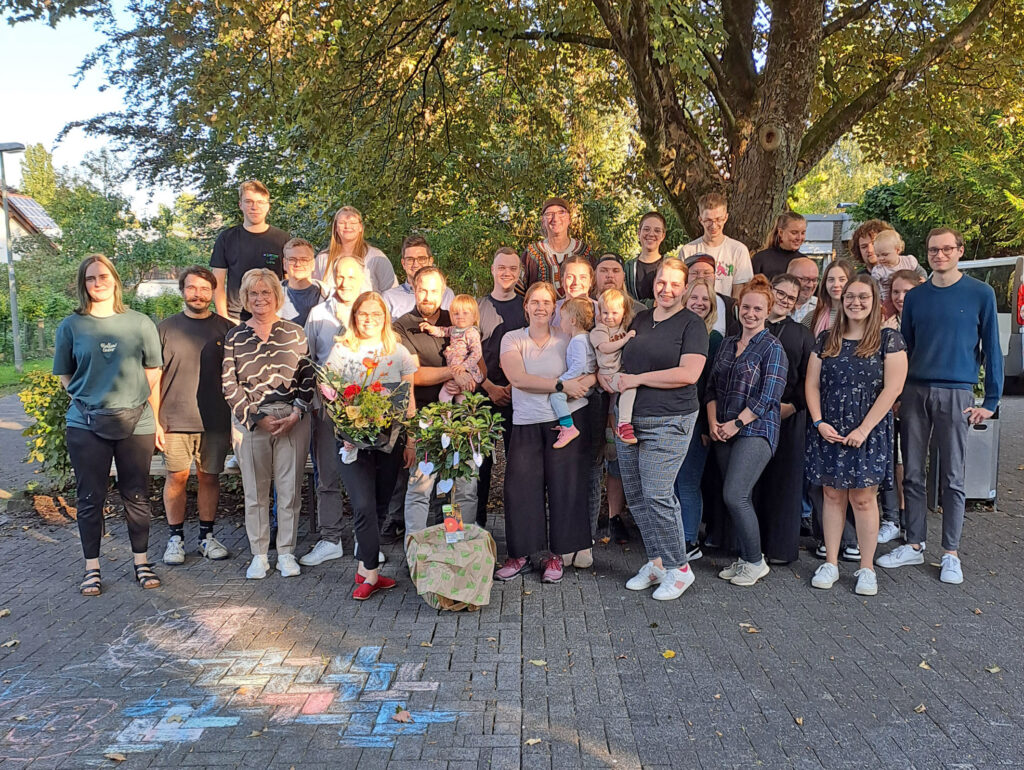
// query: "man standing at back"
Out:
[805,270]
[194,423]
[946,322]
[241,248]
[732,258]
[416,254]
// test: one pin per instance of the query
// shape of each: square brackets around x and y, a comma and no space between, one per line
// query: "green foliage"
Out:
[159,307]
[842,176]
[38,177]
[454,438]
[46,402]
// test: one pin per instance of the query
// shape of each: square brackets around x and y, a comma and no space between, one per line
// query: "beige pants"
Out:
[262,457]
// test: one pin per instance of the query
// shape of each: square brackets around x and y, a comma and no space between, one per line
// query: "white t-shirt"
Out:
[546,361]
[732,261]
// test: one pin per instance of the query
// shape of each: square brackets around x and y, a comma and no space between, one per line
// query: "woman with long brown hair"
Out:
[347,241]
[781,246]
[833,280]
[854,376]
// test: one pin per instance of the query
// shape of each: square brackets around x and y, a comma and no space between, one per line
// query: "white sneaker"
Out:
[287,565]
[213,549]
[648,576]
[674,583]
[750,573]
[902,556]
[888,532]
[174,553]
[323,551]
[258,568]
[231,464]
[867,585]
[825,576]
[732,570]
[951,572]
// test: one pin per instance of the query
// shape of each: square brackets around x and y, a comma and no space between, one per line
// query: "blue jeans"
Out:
[688,487]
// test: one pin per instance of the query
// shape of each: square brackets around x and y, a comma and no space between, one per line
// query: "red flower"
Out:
[370,364]
[377,387]
[351,392]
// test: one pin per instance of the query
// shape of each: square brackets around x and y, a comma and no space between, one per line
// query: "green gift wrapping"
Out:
[452,576]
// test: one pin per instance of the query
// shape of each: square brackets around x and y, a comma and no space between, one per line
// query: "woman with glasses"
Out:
[855,374]
[778,495]
[542,260]
[347,241]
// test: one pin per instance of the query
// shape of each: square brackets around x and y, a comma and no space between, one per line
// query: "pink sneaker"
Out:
[512,568]
[565,436]
[625,431]
[552,570]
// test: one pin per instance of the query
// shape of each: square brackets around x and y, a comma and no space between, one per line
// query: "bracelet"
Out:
[816,423]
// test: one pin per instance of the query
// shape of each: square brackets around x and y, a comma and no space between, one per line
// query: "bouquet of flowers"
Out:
[365,413]
[453,439]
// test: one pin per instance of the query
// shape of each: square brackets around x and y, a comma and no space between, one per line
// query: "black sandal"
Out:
[91,586]
[146,577]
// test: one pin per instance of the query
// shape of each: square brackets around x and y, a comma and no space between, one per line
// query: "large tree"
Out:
[739,96]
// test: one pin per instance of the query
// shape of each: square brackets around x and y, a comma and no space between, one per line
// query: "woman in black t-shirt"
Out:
[663,362]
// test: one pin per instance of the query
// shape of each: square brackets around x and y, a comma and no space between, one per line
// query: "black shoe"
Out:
[693,551]
[617,530]
[820,551]
[273,538]
[805,528]
[392,532]
[850,553]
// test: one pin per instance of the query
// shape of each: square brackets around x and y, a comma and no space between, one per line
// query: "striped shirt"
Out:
[754,380]
[257,372]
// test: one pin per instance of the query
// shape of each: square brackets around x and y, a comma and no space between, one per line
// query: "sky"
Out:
[39,96]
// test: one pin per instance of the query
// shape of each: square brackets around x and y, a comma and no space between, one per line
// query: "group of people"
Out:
[727,399]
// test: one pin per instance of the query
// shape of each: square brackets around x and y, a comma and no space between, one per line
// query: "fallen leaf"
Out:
[532,741]
[799,721]
[4,612]
[718,733]
[905,628]
[653,625]
[115,757]
[176,615]
[175,718]
[621,657]
[539,662]
[993,669]
[977,610]
[924,664]
[1020,467]
[920,709]
[668,654]
[527,593]
[492,638]
[934,564]
[21,718]
[753,630]
[402,716]
[426,644]
[10,643]
[605,540]
[255,734]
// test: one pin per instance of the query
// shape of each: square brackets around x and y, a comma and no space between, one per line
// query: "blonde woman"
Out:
[347,241]
[370,478]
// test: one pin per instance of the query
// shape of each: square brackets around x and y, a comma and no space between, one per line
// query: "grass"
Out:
[10,380]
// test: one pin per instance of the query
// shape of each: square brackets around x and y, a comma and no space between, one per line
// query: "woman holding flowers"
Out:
[369,357]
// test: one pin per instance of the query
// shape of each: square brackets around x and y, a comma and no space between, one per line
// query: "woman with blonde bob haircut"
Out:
[369,475]
[347,241]
[855,374]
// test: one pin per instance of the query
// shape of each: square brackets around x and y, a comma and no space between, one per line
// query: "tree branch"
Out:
[831,126]
[847,18]
[571,38]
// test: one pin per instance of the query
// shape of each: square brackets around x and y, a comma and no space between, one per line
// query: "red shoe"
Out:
[512,568]
[625,431]
[365,590]
[552,570]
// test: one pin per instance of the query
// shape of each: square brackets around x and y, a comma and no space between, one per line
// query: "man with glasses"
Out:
[804,270]
[194,423]
[732,258]
[945,321]
[301,291]
[542,260]
[416,255]
[241,248]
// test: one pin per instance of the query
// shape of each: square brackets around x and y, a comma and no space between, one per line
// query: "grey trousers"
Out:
[925,413]
[742,459]
[328,486]
[418,497]
[262,457]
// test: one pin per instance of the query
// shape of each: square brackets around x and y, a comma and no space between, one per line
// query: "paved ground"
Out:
[14,474]
[215,671]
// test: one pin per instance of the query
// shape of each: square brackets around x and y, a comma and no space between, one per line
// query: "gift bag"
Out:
[452,576]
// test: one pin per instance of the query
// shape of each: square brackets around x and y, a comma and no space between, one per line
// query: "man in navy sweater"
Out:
[951,328]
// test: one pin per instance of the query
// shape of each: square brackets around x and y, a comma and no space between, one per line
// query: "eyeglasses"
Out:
[556,215]
[261,294]
[781,296]
[258,204]
[808,281]
[716,221]
[862,298]
[417,260]
[947,251]
[377,316]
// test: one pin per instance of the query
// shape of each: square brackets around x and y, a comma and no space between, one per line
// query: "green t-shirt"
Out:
[106,359]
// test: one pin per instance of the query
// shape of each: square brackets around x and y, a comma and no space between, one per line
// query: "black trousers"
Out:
[547,491]
[778,496]
[483,486]
[90,457]
[369,481]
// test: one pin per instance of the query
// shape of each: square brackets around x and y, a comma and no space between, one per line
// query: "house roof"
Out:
[31,215]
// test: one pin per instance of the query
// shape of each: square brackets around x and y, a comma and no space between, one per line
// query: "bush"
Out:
[46,401]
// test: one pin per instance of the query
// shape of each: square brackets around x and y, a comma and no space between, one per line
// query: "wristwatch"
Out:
[816,423]
[739,423]
[559,386]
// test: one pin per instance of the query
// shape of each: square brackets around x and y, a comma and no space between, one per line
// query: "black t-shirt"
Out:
[429,350]
[303,300]
[645,275]
[773,261]
[191,400]
[659,346]
[239,251]
[497,318]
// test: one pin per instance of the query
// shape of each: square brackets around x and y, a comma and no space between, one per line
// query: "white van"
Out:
[1004,275]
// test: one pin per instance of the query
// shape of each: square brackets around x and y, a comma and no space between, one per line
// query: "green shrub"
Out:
[46,402]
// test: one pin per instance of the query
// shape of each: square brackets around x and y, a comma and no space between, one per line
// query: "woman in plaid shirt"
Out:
[743,400]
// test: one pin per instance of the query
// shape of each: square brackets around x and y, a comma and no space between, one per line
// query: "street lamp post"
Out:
[9,253]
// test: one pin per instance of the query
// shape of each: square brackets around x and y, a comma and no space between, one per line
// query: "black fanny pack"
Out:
[111,424]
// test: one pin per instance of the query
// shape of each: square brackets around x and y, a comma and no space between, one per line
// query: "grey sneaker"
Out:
[732,570]
[750,573]
[323,551]
[951,572]
[174,553]
[902,556]
[888,532]
[867,585]
[213,549]
[825,576]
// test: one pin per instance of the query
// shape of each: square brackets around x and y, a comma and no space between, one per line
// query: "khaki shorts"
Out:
[208,450]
